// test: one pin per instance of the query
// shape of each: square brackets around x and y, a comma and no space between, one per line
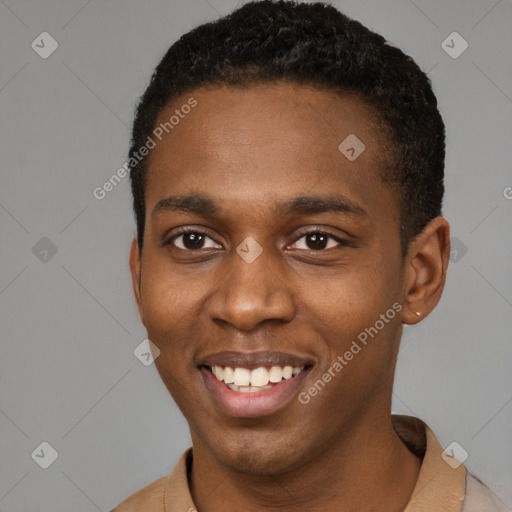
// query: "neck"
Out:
[365,469]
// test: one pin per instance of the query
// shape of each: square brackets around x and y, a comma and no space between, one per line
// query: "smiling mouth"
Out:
[246,380]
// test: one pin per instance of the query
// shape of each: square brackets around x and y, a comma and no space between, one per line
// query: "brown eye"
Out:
[317,241]
[192,240]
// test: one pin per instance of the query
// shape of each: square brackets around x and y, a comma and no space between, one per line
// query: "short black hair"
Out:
[314,44]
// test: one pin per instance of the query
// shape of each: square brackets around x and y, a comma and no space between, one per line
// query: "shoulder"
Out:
[479,498]
[150,498]
[171,491]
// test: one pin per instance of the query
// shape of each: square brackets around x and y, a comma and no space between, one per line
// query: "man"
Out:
[287,172]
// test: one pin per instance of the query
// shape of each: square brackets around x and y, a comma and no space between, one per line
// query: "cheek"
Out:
[164,302]
[347,309]
[350,299]
[358,344]
[170,325]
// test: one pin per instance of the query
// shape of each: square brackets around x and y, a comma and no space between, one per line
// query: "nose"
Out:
[251,294]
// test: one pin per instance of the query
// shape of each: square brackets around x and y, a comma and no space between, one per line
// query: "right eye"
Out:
[192,240]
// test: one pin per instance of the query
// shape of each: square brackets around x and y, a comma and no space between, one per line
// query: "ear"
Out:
[425,271]
[135,272]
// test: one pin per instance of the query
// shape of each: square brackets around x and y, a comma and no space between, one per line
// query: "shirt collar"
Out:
[440,487]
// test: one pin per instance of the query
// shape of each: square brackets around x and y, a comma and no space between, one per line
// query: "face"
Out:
[266,246]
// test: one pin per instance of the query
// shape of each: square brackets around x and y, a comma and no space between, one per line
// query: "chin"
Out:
[259,457]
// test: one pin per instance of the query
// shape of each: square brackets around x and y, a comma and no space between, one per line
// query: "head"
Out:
[298,236]
[314,44]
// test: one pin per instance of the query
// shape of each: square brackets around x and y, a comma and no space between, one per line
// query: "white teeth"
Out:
[229,375]
[218,372]
[275,374]
[242,376]
[244,380]
[287,372]
[259,377]
[248,389]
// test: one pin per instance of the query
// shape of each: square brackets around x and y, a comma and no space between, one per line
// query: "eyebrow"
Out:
[310,205]
[194,203]
[302,205]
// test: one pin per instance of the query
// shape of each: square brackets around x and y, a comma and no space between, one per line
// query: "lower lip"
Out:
[252,405]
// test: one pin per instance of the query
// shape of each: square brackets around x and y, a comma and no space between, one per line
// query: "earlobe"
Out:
[425,272]
[136,274]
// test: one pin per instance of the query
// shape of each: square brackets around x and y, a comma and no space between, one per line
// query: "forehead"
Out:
[267,142]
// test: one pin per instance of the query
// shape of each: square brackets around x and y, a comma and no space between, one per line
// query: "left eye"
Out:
[193,240]
[317,241]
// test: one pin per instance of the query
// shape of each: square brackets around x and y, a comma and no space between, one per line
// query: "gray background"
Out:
[68,375]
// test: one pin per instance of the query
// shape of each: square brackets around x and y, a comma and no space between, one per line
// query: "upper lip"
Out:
[253,360]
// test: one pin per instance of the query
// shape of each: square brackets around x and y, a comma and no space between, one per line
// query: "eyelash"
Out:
[342,242]
[184,231]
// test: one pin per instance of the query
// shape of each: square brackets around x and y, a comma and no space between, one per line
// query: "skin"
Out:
[248,150]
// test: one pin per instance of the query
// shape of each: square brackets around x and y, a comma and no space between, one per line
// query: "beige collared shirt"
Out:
[440,486]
